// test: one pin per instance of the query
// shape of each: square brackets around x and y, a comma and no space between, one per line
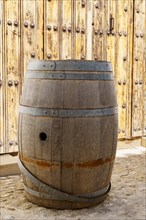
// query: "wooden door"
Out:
[120,54]
[139,70]
[11,72]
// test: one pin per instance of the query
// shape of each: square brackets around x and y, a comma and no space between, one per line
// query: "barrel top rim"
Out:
[66,65]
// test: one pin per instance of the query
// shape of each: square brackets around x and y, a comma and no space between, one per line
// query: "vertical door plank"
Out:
[2,116]
[144,129]
[90,24]
[100,21]
[111,11]
[138,127]
[80,29]
[51,30]
[104,29]
[12,71]
[119,52]
[129,69]
[66,29]
[31,31]
[123,62]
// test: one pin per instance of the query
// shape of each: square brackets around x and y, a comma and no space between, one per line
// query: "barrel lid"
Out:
[66,65]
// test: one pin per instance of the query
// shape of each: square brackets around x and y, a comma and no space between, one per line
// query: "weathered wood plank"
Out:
[69,90]
[121,37]
[111,11]
[68,131]
[100,22]
[122,70]
[31,31]
[51,30]
[144,132]
[26,127]
[2,97]
[113,40]
[42,142]
[56,154]
[66,30]
[115,137]
[139,70]
[89,33]
[106,137]
[12,71]
[80,29]
[85,138]
[129,68]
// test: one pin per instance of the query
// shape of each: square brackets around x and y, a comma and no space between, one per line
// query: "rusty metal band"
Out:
[69,65]
[48,192]
[69,165]
[68,113]
[69,76]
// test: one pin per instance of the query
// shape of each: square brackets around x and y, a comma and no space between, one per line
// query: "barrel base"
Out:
[45,195]
[55,204]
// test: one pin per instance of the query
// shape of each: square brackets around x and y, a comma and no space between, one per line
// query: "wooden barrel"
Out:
[68,121]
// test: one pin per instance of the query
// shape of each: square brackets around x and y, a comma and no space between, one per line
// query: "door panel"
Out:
[139,70]
[11,72]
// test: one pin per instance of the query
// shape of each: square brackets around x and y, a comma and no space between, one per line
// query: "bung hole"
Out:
[43,136]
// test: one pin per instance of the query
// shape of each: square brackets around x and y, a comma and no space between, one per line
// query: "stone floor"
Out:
[126,200]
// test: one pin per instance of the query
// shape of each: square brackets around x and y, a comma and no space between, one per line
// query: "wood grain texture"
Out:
[90,24]
[69,90]
[12,72]
[111,40]
[51,30]
[144,132]
[2,97]
[66,30]
[100,24]
[77,154]
[123,66]
[31,31]
[121,37]
[80,30]
[139,70]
